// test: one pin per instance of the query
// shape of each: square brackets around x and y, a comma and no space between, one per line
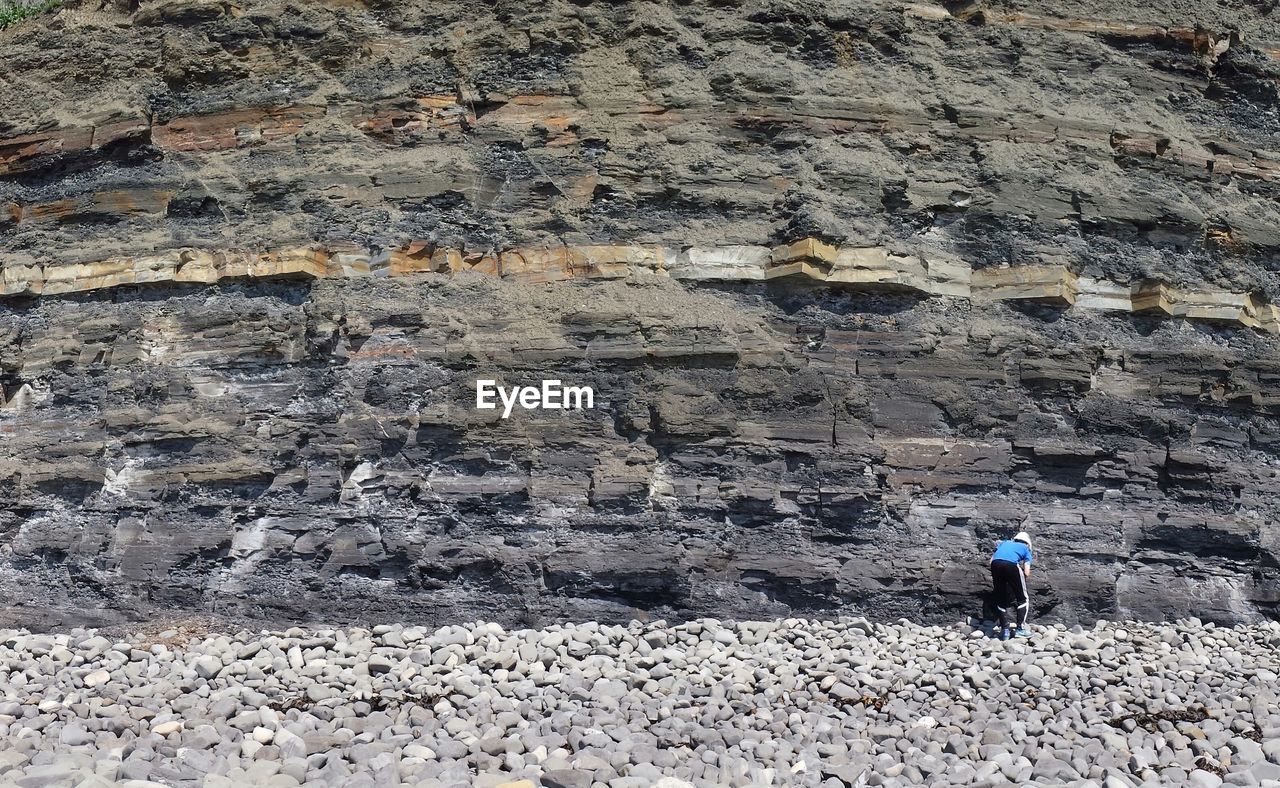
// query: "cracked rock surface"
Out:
[1124,140]
[288,452]
[292,449]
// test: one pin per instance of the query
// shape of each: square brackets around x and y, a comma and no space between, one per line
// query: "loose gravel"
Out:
[707,702]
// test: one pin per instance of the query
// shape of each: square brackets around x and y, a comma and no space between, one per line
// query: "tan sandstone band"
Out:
[810,260]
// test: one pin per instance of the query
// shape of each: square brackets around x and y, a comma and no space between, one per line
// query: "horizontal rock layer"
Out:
[858,268]
[1124,147]
[276,450]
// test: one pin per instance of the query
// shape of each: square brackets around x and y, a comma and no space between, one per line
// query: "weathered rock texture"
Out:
[860,290]
[872,269]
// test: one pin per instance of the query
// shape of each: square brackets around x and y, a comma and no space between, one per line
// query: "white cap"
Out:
[1022,537]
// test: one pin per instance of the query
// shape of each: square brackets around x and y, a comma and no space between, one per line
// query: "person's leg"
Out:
[998,597]
[1003,580]
[1023,602]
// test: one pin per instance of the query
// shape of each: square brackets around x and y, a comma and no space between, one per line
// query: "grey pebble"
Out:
[704,702]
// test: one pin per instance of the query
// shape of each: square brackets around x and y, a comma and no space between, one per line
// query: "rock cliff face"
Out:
[860,290]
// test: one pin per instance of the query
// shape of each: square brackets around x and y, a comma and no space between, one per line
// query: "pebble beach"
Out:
[790,702]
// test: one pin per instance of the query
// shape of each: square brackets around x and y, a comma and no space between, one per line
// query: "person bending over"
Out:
[1010,570]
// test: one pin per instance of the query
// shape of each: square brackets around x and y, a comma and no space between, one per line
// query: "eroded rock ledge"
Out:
[872,268]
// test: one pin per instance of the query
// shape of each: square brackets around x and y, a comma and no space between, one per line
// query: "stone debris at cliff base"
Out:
[707,702]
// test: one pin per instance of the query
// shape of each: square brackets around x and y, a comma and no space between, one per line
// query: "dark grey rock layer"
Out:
[287,451]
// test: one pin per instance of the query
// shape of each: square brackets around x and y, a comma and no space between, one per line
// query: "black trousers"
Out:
[1009,592]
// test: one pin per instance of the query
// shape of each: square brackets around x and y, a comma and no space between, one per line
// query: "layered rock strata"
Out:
[871,269]
[860,289]
[277,449]
[1123,147]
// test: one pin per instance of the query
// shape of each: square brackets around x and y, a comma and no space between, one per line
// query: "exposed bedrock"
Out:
[289,450]
[1124,142]
[860,289]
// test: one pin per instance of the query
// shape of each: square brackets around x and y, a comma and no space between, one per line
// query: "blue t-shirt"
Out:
[1013,552]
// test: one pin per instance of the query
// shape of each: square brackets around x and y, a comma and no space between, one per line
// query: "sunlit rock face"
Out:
[859,290]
